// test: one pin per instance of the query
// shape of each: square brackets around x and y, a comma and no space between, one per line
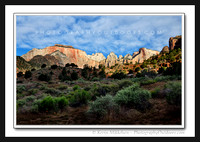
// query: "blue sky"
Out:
[105,34]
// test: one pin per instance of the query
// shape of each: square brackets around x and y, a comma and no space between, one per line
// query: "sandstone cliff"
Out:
[73,55]
[175,42]
[62,54]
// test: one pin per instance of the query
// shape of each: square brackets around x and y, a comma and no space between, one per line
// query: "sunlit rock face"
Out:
[63,54]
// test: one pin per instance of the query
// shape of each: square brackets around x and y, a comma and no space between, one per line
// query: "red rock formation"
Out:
[76,56]
[174,42]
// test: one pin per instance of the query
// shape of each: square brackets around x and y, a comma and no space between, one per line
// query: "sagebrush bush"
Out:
[30,98]
[133,96]
[53,91]
[155,93]
[173,93]
[33,91]
[20,88]
[62,87]
[44,77]
[150,81]
[79,97]
[104,89]
[102,105]
[61,102]
[47,104]
[21,102]
[125,83]
[76,87]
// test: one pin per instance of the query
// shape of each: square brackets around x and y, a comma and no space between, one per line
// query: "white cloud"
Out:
[120,34]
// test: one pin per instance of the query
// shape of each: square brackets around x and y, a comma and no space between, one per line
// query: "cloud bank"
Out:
[105,34]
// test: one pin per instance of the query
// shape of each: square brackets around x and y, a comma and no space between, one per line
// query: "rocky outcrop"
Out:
[110,61]
[175,42]
[128,57]
[62,54]
[73,55]
[97,57]
[165,49]
[39,60]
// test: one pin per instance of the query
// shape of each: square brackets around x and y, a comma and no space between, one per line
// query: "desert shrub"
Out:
[104,89]
[28,74]
[156,93]
[149,81]
[64,77]
[54,67]
[133,96]
[44,77]
[74,75]
[19,95]
[62,87]
[21,102]
[43,87]
[173,93]
[33,91]
[125,83]
[79,97]
[130,71]
[43,66]
[30,98]
[20,88]
[19,74]
[96,79]
[19,81]
[76,87]
[102,73]
[47,104]
[53,91]
[137,69]
[62,102]
[138,79]
[118,75]
[33,69]
[81,80]
[102,106]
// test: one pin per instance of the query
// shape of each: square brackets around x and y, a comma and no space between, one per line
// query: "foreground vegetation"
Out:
[148,93]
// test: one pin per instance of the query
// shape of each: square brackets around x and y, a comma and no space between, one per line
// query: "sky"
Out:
[119,34]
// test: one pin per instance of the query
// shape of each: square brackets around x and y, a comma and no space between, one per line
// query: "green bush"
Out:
[101,106]
[21,103]
[20,88]
[79,97]
[173,93]
[28,74]
[118,75]
[33,91]
[104,89]
[137,69]
[20,74]
[156,93]
[150,81]
[96,79]
[74,75]
[44,77]
[125,83]
[62,87]
[133,96]
[130,71]
[47,104]
[53,91]
[30,98]
[76,87]
[62,102]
